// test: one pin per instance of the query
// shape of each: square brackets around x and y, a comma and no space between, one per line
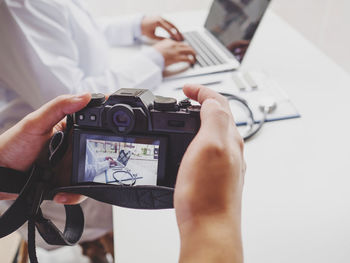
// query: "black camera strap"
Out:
[36,186]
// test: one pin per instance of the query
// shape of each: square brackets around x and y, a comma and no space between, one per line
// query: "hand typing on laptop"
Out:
[174,52]
[172,49]
[221,44]
[150,24]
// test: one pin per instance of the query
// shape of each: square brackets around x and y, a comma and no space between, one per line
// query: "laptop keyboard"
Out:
[206,55]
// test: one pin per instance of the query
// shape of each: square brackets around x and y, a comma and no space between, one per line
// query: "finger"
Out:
[185,58]
[158,38]
[192,59]
[184,44]
[215,120]
[200,93]
[7,196]
[172,32]
[45,118]
[187,50]
[61,126]
[69,199]
[175,30]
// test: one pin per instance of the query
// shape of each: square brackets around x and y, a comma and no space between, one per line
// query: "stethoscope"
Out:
[131,177]
[267,106]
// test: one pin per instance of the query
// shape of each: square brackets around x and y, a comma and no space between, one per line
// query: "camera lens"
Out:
[121,119]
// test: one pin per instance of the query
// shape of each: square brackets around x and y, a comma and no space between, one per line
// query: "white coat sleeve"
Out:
[121,31]
[53,58]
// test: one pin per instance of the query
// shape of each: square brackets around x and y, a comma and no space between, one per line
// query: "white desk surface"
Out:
[296,204]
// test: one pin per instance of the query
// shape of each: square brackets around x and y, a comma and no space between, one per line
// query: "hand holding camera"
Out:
[18,151]
[22,145]
[209,185]
[157,131]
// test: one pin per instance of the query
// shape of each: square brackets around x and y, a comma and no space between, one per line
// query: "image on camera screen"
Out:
[117,160]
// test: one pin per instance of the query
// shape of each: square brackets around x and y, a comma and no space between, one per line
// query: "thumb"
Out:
[215,120]
[44,119]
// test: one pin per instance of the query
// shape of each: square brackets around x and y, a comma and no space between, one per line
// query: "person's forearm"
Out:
[211,241]
[121,31]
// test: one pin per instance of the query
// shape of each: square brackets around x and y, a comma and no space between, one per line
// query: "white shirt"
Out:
[54,47]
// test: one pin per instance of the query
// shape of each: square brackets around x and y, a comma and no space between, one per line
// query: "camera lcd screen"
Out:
[120,160]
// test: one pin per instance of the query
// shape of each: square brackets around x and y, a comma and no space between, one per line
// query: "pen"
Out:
[204,84]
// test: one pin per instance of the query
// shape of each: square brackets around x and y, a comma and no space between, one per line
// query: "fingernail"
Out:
[60,198]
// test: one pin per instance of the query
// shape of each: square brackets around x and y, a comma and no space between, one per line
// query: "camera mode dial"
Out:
[165,104]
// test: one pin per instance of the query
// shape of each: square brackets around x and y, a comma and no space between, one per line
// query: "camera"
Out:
[132,138]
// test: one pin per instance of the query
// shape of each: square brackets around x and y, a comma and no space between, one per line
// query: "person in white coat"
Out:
[95,165]
[54,47]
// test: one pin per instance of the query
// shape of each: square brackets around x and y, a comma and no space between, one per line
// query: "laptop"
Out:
[223,41]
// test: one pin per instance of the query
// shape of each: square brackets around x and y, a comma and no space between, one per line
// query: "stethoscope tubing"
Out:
[253,129]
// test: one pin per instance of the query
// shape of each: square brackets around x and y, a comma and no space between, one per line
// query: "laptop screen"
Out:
[234,23]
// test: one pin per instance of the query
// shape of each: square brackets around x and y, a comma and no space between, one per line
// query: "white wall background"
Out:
[325,22]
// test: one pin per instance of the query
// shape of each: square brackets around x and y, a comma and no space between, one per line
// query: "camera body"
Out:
[133,138]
